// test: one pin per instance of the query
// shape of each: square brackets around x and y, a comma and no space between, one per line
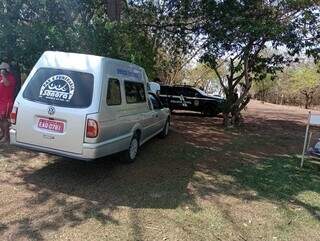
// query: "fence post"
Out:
[305,140]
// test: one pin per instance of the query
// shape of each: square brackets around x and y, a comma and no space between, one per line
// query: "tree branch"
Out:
[220,79]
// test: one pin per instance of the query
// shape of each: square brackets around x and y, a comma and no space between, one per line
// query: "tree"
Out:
[263,86]
[200,75]
[297,84]
[114,9]
[28,28]
[170,26]
[306,81]
[237,33]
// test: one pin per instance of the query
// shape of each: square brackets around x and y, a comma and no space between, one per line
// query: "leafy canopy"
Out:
[238,31]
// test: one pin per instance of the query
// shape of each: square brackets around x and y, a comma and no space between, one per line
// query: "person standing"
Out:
[7,92]
[15,70]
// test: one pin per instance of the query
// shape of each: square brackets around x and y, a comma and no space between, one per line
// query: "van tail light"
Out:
[92,128]
[13,115]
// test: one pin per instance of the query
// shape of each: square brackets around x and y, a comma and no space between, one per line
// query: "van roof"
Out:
[85,57]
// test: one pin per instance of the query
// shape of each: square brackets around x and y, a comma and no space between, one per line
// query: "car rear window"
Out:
[59,87]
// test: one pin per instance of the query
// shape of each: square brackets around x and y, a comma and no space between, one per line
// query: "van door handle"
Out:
[155,115]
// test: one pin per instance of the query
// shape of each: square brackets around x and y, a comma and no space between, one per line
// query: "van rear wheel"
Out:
[1,133]
[130,155]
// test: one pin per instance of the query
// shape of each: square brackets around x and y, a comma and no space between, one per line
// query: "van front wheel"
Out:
[131,154]
[165,130]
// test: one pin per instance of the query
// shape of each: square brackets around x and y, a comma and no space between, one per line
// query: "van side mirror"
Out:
[160,105]
[156,104]
[155,101]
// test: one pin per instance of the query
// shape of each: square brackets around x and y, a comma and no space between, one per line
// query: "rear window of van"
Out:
[59,87]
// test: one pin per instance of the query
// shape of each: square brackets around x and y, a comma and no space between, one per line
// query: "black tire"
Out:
[210,111]
[165,131]
[129,156]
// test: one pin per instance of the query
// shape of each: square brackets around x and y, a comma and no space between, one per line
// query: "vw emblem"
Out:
[51,110]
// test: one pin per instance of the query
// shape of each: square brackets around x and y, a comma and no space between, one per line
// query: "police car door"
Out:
[177,99]
[191,98]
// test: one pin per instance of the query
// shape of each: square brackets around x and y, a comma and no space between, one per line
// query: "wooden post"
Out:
[305,140]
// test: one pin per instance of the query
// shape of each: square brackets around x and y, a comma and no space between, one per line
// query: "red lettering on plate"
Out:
[51,125]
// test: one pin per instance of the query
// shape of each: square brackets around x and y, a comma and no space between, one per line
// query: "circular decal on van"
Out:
[57,87]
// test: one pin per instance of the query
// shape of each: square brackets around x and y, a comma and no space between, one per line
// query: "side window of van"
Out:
[114,92]
[135,92]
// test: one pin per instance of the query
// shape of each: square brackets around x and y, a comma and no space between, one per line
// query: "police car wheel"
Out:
[209,111]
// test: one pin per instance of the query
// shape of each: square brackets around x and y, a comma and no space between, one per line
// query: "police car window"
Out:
[167,90]
[178,91]
[201,91]
[164,90]
[190,92]
[59,87]
[114,92]
[135,92]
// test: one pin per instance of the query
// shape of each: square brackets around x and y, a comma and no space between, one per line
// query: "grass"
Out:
[156,199]
[177,190]
[273,199]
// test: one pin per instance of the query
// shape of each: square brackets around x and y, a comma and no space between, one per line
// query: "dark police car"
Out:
[190,98]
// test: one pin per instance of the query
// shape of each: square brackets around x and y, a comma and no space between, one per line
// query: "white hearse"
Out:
[86,107]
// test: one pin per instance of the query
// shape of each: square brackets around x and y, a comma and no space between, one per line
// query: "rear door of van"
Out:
[53,111]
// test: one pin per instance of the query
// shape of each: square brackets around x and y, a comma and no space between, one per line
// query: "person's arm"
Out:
[5,80]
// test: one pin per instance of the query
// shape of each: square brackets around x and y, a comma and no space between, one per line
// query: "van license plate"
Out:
[51,125]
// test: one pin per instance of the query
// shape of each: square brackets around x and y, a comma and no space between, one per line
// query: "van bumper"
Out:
[89,151]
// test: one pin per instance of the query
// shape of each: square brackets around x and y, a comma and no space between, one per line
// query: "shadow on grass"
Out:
[67,193]
[12,153]
[278,180]
[194,114]
[156,180]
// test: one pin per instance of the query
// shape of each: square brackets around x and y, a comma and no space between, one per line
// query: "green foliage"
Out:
[297,84]
[200,75]
[171,28]
[239,31]
[305,79]
[263,86]
[164,36]
[28,28]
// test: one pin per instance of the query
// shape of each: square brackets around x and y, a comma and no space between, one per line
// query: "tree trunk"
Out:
[226,120]
[310,99]
[233,107]
[114,8]
[307,97]
[233,118]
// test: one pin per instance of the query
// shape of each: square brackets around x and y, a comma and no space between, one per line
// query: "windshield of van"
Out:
[59,87]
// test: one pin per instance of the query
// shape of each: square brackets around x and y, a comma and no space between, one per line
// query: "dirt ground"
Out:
[202,182]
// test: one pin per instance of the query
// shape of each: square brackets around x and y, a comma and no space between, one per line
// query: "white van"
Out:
[86,107]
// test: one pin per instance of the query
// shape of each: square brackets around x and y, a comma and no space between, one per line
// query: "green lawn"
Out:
[242,189]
